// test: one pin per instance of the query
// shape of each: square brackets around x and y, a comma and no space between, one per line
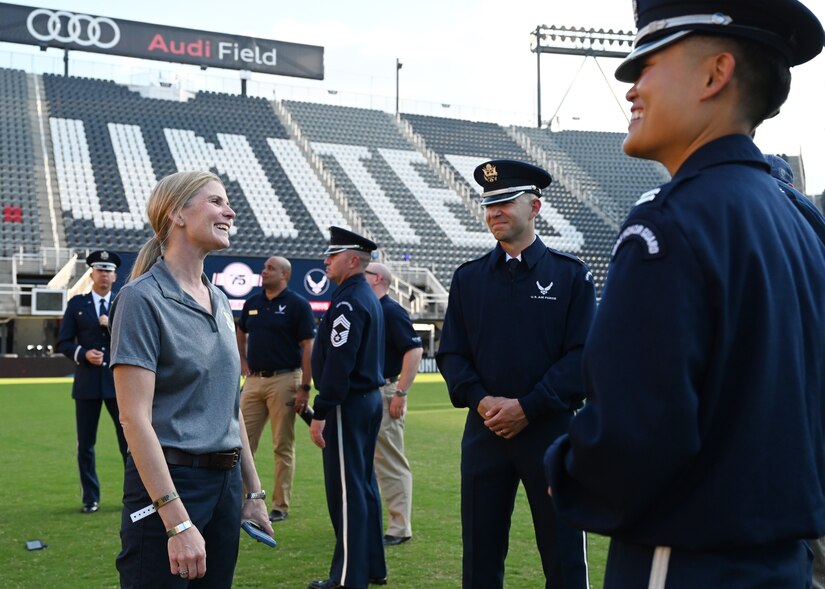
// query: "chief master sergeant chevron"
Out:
[510,351]
[700,451]
[347,367]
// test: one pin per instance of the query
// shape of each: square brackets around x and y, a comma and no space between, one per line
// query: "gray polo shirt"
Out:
[194,355]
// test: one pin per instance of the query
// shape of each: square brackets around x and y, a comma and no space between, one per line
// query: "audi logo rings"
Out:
[67,27]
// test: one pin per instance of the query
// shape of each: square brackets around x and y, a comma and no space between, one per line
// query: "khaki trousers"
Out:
[392,469]
[267,398]
[818,546]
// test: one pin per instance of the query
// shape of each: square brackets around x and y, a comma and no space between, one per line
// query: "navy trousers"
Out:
[784,565]
[491,469]
[87,417]
[213,501]
[353,499]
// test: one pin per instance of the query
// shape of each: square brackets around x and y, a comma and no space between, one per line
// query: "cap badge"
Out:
[104,255]
[490,173]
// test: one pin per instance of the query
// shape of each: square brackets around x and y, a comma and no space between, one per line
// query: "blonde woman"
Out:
[177,374]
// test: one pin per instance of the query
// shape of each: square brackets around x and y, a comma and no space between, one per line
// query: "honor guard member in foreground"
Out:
[347,364]
[402,355]
[275,333]
[510,351]
[700,450]
[84,338]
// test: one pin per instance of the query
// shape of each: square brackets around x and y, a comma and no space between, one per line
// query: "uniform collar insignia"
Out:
[648,196]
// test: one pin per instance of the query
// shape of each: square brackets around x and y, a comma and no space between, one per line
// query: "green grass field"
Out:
[40,499]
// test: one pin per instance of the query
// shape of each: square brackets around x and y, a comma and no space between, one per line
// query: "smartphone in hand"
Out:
[257,533]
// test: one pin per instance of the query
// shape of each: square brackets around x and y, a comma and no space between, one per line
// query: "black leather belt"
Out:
[271,373]
[215,460]
[391,380]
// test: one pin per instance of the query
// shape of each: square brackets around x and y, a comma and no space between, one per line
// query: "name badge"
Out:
[253,312]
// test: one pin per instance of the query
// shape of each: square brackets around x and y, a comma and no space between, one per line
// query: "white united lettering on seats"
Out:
[434,200]
[135,168]
[75,177]
[569,239]
[237,160]
[319,204]
[350,158]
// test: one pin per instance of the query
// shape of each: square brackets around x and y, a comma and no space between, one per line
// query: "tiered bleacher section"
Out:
[565,222]
[599,156]
[403,203]
[20,224]
[111,146]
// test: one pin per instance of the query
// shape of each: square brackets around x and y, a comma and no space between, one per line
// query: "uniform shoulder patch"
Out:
[644,233]
[339,334]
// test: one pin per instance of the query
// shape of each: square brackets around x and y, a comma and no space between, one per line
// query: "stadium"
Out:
[80,154]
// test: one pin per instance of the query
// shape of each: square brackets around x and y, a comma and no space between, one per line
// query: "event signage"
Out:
[47,27]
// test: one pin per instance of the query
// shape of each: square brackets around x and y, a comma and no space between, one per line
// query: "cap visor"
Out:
[102,266]
[630,68]
[491,200]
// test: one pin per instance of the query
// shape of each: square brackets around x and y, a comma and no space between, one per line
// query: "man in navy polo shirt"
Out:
[402,355]
[275,334]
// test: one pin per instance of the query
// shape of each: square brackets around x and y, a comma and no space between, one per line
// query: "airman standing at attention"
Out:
[84,338]
[510,351]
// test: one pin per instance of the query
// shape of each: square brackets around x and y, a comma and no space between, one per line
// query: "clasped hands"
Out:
[502,416]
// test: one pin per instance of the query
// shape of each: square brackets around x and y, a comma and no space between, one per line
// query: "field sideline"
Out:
[40,495]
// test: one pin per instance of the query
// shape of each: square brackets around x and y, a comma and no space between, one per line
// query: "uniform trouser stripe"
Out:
[344,508]
[658,568]
[584,559]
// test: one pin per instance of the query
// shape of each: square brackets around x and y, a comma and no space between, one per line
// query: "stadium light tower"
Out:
[398,66]
[577,41]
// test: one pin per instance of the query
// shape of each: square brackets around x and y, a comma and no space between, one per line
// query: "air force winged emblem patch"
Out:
[544,289]
[340,331]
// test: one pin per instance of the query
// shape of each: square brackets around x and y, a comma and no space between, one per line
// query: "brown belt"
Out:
[271,373]
[214,460]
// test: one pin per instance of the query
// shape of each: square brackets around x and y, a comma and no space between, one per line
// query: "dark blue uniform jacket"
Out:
[80,328]
[519,338]
[704,368]
[806,208]
[348,354]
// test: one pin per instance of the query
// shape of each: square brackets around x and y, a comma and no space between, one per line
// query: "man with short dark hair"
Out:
[84,338]
[275,334]
[347,363]
[510,351]
[700,451]
[402,355]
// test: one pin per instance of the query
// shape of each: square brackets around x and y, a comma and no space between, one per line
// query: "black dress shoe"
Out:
[378,581]
[276,515]
[395,540]
[90,507]
[328,584]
